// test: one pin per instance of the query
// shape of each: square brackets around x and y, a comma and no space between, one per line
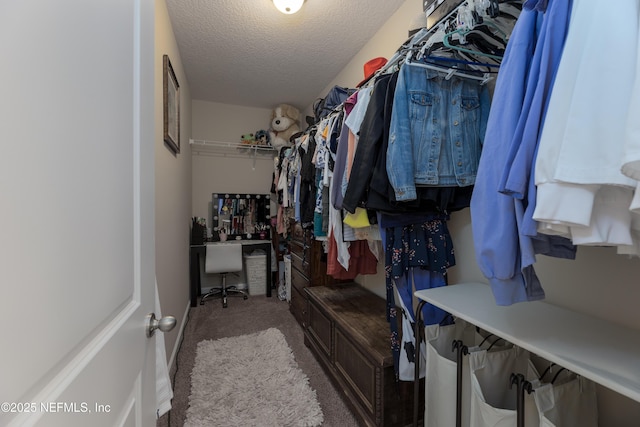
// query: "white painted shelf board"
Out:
[606,353]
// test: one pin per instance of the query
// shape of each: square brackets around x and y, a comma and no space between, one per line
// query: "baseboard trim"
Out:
[176,345]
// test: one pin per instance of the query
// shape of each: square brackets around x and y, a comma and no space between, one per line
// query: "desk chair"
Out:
[223,258]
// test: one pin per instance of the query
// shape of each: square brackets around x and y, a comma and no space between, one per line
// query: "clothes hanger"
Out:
[451,71]
[546,371]
[482,37]
[493,343]
[461,61]
[447,43]
[468,21]
[485,338]
[479,36]
[556,375]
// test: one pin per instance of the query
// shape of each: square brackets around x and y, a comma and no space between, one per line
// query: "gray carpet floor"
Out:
[211,321]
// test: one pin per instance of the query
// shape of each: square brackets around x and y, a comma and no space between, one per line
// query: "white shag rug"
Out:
[250,380]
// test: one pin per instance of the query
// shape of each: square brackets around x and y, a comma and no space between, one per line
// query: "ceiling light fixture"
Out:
[288,6]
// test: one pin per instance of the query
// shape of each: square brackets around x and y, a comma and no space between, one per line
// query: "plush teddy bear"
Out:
[284,124]
[248,139]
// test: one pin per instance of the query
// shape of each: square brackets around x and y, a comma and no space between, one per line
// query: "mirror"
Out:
[241,216]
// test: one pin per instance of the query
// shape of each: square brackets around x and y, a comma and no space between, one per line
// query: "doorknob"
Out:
[165,324]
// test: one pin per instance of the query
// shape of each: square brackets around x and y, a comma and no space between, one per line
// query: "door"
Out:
[77,223]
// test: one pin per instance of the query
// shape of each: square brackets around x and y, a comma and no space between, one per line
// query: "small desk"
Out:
[198,251]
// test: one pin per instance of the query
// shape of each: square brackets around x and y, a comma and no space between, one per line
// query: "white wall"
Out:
[230,172]
[598,282]
[173,188]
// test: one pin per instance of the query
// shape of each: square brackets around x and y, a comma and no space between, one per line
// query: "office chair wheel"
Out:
[245,297]
[224,302]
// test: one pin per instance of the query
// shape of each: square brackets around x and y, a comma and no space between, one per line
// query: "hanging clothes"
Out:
[436,132]
[361,260]
[418,251]
[339,168]
[353,122]
[307,180]
[368,145]
[539,47]
[631,158]
[517,179]
[320,160]
[582,193]
[495,229]
[424,243]
[369,183]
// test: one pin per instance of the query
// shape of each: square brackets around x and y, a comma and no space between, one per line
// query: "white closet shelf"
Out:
[230,147]
[606,353]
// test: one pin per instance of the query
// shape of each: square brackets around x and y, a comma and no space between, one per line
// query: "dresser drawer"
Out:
[320,328]
[356,369]
[299,261]
[298,279]
[298,248]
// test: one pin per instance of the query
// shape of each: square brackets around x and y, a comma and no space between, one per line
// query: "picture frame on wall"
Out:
[171,106]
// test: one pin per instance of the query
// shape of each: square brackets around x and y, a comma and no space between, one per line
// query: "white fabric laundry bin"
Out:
[442,373]
[255,266]
[493,400]
[567,404]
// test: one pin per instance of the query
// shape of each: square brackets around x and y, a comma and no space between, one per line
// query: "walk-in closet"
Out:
[486,164]
[430,210]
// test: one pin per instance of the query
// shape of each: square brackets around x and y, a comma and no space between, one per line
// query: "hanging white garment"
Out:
[164,391]
[572,404]
[579,158]
[406,366]
[283,184]
[631,155]
[442,373]
[493,402]
[635,227]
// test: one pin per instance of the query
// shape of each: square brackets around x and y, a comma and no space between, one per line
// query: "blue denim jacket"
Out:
[437,130]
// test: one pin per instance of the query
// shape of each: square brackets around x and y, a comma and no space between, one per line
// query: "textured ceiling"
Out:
[245,52]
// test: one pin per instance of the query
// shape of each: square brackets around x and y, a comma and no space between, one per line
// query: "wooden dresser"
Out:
[347,330]
[308,268]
